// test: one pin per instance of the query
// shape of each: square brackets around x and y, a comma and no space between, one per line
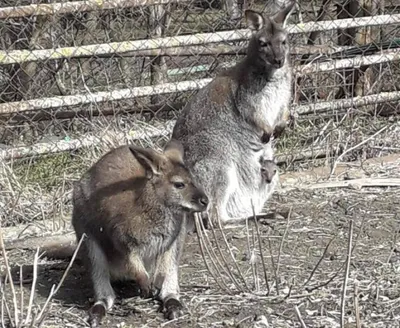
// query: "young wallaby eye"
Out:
[264,44]
[179,185]
[284,42]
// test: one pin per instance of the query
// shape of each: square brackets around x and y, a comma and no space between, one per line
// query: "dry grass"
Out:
[328,256]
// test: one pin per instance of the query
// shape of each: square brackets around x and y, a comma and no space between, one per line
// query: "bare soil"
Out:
[294,240]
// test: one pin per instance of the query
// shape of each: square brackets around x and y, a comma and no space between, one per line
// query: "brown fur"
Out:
[131,205]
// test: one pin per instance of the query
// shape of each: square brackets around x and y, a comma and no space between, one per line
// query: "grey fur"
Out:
[222,126]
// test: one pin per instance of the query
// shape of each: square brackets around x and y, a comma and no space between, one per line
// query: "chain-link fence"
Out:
[79,77]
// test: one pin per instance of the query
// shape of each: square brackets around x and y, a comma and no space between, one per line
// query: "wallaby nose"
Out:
[203,200]
[279,62]
[270,176]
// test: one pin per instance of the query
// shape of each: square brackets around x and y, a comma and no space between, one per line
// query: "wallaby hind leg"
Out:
[138,272]
[100,275]
[167,277]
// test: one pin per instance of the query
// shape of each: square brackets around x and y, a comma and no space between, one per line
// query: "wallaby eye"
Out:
[264,44]
[284,42]
[179,185]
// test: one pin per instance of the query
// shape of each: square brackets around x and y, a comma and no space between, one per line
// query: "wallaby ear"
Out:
[254,20]
[282,16]
[174,151]
[148,158]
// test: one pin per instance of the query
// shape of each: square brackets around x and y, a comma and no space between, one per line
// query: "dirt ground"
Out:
[299,264]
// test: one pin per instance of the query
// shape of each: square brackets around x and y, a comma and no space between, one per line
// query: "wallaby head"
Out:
[269,45]
[268,169]
[172,182]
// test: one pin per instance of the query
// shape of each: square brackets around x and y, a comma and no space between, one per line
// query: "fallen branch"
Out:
[298,314]
[356,183]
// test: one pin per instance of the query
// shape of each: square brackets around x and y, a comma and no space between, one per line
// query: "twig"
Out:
[346,274]
[296,309]
[319,261]
[249,252]
[281,245]
[261,250]
[6,306]
[54,291]
[231,254]
[21,291]
[33,288]
[213,257]
[8,271]
[355,147]
[253,259]
[356,307]
[273,263]
[2,304]
[393,245]
[310,289]
[226,268]
[202,248]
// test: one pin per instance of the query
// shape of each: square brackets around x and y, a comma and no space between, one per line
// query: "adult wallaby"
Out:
[223,127]
[132,206]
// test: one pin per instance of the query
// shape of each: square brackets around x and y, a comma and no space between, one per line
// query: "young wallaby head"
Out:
[269,45]
[268,169]
[172,182]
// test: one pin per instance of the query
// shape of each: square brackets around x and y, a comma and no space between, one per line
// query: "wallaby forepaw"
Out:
[173,309]
[146,292]
[96,313]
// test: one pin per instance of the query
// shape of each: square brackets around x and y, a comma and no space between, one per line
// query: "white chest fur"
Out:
[274,97]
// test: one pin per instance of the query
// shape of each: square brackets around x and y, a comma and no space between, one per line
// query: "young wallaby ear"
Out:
[148,158]
[282,16]
[174,151]
[279,129]
[254,20]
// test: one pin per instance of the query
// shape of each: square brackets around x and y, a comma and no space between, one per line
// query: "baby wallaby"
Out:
[132,206]
[268,165]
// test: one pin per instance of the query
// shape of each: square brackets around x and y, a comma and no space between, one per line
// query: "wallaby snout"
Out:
[268,170]
[279,62]
[200,201]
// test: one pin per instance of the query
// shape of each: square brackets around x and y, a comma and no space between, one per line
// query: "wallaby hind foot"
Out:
[172,309]
[96,314]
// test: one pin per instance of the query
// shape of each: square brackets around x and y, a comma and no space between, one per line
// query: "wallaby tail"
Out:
[60,247]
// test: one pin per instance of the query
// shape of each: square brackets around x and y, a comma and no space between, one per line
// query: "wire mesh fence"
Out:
[80,77]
